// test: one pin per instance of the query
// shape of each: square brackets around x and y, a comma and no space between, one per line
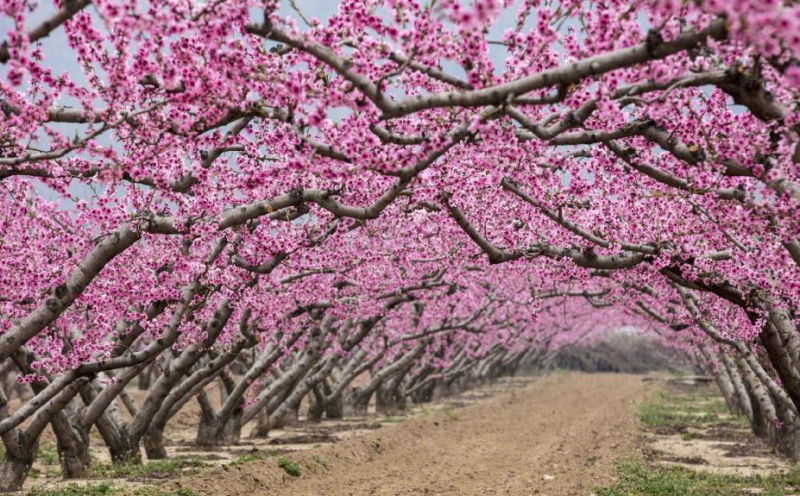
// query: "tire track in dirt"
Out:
[558,436]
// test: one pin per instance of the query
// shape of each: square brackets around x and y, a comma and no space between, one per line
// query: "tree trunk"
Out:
[317,405]
[357,401]
[787,435]
[145,379]
[14,472]
[231,431]
[725,385]
[425,393]
[116,437]
[207,430]
[737,383]
[72,446]
[121,448]
[782,362]
[262,424]
[334,407]
[288,418]
[71,443]
[154,443]
[389,400]
[19,457]
[764,414]
[214,431]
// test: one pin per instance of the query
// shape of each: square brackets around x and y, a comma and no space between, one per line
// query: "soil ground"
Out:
[689,426]
[557,435]
[692,446]
[563,434]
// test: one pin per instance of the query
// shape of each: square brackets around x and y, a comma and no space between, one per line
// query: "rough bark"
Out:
[765,416]
[114,430]
[730,384]
[782,362]
[72,445]
[154,443]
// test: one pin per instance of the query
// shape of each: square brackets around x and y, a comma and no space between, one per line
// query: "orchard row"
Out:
[389,201]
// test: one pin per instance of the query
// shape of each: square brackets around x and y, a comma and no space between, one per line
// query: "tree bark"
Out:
[317,405]
[732,388]
[19,457]
[765,415]
[72,446]
[154,443]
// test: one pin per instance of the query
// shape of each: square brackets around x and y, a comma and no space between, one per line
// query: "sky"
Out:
[59,57]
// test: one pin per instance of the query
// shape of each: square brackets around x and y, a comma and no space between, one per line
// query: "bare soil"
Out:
[546,436]
[721,447]
[557,435]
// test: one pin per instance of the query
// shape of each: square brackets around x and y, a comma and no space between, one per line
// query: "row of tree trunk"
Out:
[268,388]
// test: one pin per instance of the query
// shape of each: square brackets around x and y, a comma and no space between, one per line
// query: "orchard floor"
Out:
[555,435]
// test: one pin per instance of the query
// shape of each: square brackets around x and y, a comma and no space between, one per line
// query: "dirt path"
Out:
[557,436]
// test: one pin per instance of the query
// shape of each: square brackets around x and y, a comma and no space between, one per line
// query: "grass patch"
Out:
[154,469]
[289,466]
[252,457]
[425,410]
[240,460]
[679,411]
[691,435]
[48,454]
[321,461]
[76,490]
[451,415]
[676,412]
[638,479]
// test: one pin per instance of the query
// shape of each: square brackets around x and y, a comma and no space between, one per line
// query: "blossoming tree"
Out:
[234,192]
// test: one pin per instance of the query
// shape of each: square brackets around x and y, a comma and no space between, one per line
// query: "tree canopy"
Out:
[399,183]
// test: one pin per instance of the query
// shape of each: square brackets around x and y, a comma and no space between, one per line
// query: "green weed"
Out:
[103,489]
[681,411]
[321,461]
[246,459]
[638,479]
[451,415]
[48,454]
[289,466]
[252,457]
[154,469]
